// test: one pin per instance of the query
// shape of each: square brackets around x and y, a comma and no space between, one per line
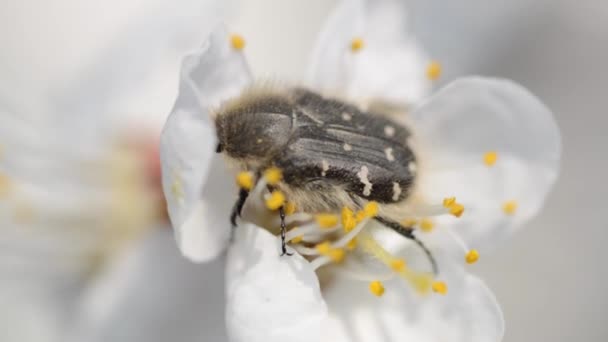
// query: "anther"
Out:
[398,265]
[433,70]
[447,202]
[377,288]
[348,219]
[371,209]
[357,44]
[440,287]
[409,222]
[327,220]
[245,180]
[237,41]
[273,175]
[509,207]
[352,244]
[276,200]
[490,158]
[360,216]
[426,225]
[297,239]
[456,209]
[472,256]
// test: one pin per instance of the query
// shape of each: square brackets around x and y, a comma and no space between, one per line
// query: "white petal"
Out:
[390,67]
[212,75]
[467,313]
[270,298]
[138,297]
[468,118]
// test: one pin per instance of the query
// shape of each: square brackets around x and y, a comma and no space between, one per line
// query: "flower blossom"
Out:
[487,155]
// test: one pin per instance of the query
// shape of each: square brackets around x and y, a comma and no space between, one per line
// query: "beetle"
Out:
[332,154]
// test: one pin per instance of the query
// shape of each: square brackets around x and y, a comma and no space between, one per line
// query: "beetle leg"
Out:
[408,232]
[237,208]
[283,232]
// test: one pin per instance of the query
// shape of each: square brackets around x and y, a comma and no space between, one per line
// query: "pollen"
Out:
[290,208]
[337,255]
[360,216]
[276,200]
[490,158]
[456,209]
[352,244]
[440,287]
[323,248]
[273,175]
[472,256]
[448,201]
[433,70]
[327,220]
[237,41]
[245,180]
[348,219]
[398,265]
[297,239]
[509,207]
[377,288]
[427,225]
[357,44]
[371,209]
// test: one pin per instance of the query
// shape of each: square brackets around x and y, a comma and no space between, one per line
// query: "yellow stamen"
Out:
[245,180]
[275,201]
[348,219]
[357,44]
[440,287]
[290,208]
[456,209]
[352,244]
[433,70]
[409,222]
[426,225]
[323,248]
[237,41]
[509,207]
[398,265]
[297,239]
[273,175]
[376,288]
[371,209]
[420,281]
[490,158]
[448,201]
[337,255]
[327,220]
[472,256]
[360,216]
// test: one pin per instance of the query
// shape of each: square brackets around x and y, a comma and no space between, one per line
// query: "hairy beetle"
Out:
[331,153]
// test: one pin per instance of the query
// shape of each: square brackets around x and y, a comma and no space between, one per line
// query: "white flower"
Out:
[76,180]
[487,142]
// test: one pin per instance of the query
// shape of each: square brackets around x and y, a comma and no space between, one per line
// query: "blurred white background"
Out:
[550,278]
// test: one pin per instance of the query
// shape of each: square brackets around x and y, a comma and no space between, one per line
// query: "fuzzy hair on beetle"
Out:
[331,153]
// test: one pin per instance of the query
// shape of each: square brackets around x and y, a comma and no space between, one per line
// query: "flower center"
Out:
[343,239]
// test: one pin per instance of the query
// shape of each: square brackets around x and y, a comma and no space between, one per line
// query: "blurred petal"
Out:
[463,122]
[270,298]
[212,75]
[469,312]
[153,294]
[390,66]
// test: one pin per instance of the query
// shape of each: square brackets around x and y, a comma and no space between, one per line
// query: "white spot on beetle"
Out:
[363,177]
[324,167]
[389,154]
[259,141]
[412,167]
[346,116]
[389,130]
[347,147]
[396,191]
